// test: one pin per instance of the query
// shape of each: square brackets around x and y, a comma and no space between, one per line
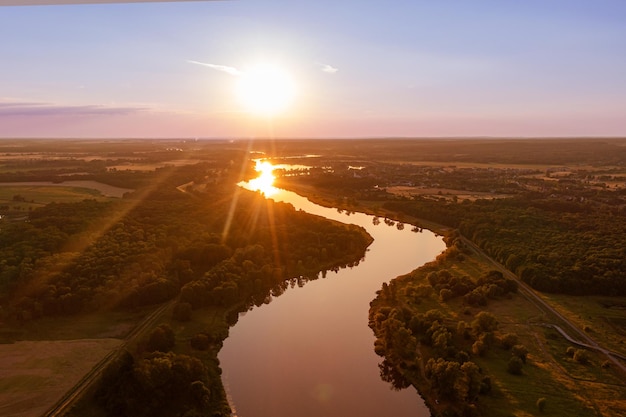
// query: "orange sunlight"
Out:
[264,183]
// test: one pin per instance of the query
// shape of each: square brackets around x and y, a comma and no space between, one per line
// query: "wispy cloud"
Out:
[327,68]
[223,68]
[33,109]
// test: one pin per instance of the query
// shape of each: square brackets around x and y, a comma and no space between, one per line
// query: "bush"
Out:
[541,404]
[508,341]
[445,294]
[161,339]
[514,366]
[570,352]
[520,351]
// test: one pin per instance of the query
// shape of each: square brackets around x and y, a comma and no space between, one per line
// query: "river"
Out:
[310,352]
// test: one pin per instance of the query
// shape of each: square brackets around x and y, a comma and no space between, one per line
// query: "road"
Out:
[69,399]
[530,295]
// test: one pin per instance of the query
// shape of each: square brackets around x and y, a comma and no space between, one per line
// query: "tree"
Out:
[508,340]
[161,339]
[470,383]
[520,351]
[444,376]
[445,294]
[479,348]
[484,322]
[514,366]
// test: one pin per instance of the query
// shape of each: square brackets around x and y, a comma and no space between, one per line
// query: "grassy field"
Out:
[603,318]
[33,196]
[35,374]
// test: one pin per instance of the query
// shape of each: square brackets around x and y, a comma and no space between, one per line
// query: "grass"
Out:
[35,374]
[114,324]
[37,196]
[603,318]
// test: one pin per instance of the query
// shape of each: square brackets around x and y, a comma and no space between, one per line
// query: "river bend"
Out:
[310,352]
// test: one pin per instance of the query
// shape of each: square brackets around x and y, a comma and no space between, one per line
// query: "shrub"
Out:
[520,351]
[161,339]
[508,340]
[514,366]
[541,404]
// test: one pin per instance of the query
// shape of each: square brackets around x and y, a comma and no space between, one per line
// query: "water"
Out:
[310,352]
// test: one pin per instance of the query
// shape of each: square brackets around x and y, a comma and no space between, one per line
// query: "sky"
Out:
[532,68]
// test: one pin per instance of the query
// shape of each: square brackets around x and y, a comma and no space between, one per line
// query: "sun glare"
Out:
[265,181]
[266,90]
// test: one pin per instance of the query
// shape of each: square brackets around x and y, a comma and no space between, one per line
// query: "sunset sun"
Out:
[266,90]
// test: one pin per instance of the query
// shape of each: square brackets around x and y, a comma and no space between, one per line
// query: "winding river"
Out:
[310,352]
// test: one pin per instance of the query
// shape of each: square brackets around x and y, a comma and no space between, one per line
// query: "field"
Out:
[35,374]
[29,195]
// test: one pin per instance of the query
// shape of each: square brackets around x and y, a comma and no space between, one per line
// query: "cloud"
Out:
[327,68]
[32,109]
[223,68]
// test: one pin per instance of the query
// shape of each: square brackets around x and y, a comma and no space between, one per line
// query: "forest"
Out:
[557,219]
[221,248]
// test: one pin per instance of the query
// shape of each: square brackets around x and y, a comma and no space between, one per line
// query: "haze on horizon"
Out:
[360,69]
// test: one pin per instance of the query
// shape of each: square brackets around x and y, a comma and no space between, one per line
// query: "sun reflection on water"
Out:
[264,183]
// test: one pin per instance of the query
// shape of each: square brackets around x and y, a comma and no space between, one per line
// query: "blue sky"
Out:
[406,68]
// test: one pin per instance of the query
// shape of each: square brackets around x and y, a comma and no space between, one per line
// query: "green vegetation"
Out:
[458,329]
[216,248]
[488,357]
[558,225]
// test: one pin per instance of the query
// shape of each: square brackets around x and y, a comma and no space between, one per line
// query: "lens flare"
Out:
[264,183]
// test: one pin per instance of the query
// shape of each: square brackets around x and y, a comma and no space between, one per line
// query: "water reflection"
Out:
[264,183]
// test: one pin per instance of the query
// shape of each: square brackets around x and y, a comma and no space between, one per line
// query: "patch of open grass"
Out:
[603,318]
[113,324]
[37,196]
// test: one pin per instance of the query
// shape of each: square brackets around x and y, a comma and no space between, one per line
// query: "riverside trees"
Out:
[145,249]
[435,349]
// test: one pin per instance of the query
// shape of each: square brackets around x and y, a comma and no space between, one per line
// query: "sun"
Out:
[266,90]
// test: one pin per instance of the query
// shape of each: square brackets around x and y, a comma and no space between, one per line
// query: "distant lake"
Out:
[310,352]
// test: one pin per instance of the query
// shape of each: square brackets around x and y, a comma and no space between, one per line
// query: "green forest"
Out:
[223,248]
